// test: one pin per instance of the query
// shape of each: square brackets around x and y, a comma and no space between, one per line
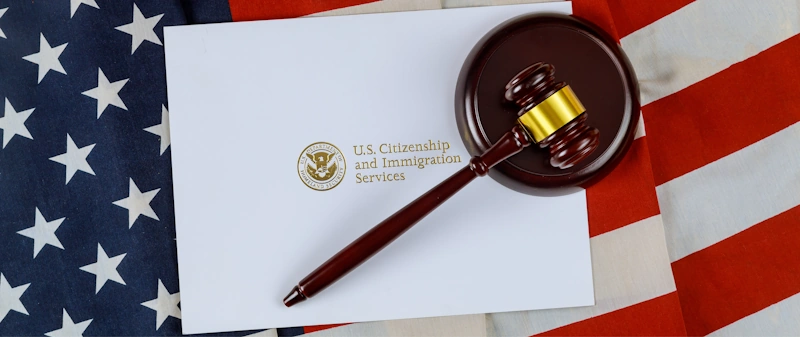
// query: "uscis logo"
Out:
[321,166]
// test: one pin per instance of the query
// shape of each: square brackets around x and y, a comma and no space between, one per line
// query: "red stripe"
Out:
[313,328]
[626,195]
[725,112]
[596,12]
[740,275]
[660,316]
[632,15]
[248,10]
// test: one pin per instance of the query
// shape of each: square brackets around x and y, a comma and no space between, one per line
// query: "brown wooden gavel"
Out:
[550,115]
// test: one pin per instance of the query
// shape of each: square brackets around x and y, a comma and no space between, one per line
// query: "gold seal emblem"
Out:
[321,166]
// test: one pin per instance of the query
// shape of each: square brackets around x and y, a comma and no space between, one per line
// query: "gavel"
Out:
[549,114]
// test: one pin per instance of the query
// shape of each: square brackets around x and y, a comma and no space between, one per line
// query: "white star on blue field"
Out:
[88,241]
[87,235]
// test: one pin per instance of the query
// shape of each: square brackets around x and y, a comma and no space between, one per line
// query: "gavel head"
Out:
[551,115]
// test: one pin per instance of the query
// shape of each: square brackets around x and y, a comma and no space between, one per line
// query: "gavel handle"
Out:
[398,223]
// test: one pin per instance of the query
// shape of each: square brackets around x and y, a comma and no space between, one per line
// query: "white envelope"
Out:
[246,99]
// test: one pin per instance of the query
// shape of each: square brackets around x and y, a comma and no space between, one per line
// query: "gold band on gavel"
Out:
[551,114]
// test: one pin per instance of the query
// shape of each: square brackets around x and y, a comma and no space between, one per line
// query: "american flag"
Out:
[707,247]
[88,240]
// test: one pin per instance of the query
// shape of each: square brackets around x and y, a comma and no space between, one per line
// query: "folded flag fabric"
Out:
[88,240]
[706,247]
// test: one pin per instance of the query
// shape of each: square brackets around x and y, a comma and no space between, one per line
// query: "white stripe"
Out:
[630,266]
[640,132]
[723,198]
[478,3]
[265,333]
[447,326]
[383,6]
[779,319]
[703,38]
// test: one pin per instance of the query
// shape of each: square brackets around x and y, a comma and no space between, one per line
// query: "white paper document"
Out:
[291,138]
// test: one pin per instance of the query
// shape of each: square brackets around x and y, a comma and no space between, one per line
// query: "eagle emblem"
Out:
[321,167]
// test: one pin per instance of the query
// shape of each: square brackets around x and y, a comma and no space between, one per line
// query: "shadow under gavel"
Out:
[550,115]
